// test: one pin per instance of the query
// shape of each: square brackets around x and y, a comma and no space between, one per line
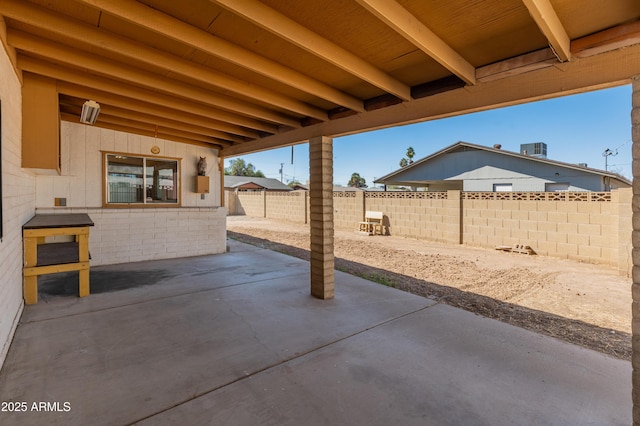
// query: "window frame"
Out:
[501,187]
[144,203]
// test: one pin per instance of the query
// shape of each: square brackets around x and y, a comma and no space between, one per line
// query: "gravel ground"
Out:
[584,304]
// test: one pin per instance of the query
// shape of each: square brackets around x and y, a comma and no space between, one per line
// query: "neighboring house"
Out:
[248,183]
[300,187]
[340,188]
[469,167]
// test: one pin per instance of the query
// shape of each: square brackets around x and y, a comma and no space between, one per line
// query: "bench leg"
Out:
[84,282]
[31,290]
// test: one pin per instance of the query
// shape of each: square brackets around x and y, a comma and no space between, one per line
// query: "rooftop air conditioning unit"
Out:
[536,149]
[90,112]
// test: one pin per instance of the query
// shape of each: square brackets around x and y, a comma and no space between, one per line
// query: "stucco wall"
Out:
[18,203]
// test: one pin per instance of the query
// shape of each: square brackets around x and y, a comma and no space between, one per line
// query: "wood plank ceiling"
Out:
[245,75]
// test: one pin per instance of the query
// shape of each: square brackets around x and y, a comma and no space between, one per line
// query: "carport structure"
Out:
[240,76]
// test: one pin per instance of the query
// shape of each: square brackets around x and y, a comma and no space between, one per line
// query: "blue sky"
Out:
[576,129]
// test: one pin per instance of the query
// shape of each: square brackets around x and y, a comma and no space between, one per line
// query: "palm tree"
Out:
[410,154]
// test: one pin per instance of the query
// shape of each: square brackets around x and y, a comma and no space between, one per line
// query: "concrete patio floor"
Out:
[235,339]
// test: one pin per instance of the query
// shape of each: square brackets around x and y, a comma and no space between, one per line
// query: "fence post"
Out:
[453,220]
[361,204]
[623,197]
[306,207]
[264,203]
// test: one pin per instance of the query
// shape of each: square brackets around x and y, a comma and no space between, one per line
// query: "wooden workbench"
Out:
[42,258]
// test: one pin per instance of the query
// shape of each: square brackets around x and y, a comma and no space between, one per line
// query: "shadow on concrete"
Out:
[66,283]
[608,341]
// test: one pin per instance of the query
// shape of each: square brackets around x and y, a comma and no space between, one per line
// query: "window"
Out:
[502,187]
[132,179]
[556,187]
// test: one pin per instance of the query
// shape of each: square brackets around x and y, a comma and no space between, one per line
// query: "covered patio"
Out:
[236,339]
[176,82]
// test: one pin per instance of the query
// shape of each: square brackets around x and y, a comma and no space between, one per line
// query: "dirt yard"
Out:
[589,305]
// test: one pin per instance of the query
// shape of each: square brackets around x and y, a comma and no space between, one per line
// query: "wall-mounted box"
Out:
[40,124]
[202,184]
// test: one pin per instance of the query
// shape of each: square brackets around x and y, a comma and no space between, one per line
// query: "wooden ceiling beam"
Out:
[286,28]
[156,21]
[521,64]
[73,109]
[408,26]
[160,130]
[42,67]
[219,137]
[547,20]
[95,64]
[62,25]
[595,72]
[594,44]
[230,132]
[136,131]
[613,38]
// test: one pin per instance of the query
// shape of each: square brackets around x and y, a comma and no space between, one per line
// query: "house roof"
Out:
[470,146]
[247,76]
[266,183]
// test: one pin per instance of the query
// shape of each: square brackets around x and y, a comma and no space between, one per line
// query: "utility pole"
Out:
[606,154]
[281,172]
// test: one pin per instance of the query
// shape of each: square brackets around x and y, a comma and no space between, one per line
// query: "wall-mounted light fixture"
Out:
[90,112]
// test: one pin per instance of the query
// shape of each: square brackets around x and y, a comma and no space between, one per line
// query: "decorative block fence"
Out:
[592,227]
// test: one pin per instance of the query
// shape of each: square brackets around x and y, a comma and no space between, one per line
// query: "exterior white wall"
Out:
[481,169]
[80,181]
[134,234]
[18,203]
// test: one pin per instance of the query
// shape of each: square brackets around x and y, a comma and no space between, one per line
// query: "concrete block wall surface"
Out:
[288,206]
[134,235]
[584,231]
[250,203]
[423,217]
[348,209]
[18,202]
[584,226]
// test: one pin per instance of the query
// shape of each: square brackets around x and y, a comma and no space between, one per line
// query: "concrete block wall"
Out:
[348,209]
[584,226]
[288,206]
[250,203]
[623,199]
[134,235]
[18,202]
[589,231]
[428,215]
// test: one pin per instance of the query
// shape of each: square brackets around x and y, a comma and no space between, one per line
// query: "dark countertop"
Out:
[65,220]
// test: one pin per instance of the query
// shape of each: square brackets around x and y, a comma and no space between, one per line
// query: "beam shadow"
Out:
[608,341]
